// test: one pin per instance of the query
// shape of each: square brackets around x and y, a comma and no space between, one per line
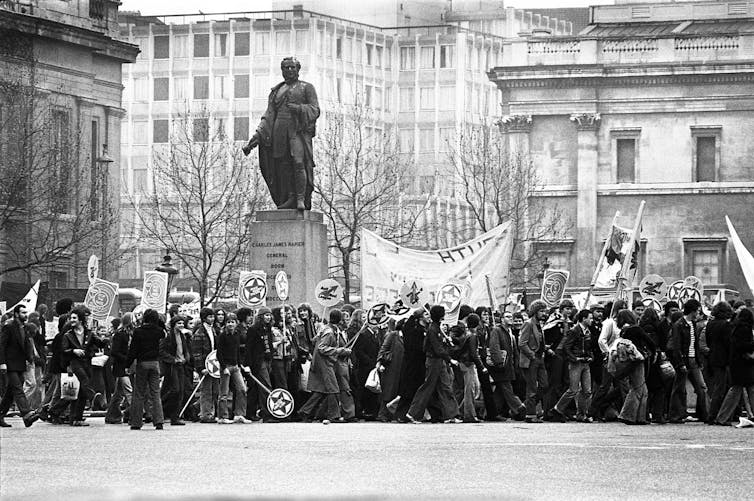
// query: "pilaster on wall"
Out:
[587,125]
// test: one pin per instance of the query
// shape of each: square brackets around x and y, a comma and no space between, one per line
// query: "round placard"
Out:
[280,403]
[329,292]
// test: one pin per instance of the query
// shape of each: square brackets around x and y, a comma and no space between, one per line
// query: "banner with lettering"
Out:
[385,266]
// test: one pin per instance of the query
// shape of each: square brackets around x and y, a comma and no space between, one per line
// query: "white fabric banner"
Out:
[744,256]
[385,267]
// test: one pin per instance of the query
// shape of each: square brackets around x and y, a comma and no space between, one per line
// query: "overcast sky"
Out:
[193,6]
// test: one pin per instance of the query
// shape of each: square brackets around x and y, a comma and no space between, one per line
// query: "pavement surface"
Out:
[509,460]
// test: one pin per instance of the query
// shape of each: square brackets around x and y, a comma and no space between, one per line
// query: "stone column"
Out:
[586,197]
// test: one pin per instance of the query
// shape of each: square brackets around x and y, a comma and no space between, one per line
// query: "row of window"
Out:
[217,44]
[705,154]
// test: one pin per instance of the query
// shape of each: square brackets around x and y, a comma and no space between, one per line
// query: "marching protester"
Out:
[229,358]
[634,410]
[438,379]
[503,362]
[15,352]
[577,349]
[259,359]
[144,354]
[324,383]
[175,353]
[389,364]
[532,349]
[683,347]
[123,389]
[203,342]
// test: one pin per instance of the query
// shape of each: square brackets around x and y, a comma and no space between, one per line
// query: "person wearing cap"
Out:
[259,360]
[438,378]
[555,331]
[531,352]
[365,350]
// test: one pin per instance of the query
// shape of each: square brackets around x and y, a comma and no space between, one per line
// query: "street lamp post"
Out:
[167,267]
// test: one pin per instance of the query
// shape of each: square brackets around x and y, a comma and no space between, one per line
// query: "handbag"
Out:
[373,381]
[69,386]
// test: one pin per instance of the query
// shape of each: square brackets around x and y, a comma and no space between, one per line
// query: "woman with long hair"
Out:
[634,409]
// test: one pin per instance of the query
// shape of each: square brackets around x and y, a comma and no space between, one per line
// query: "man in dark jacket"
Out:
[119,356]
[578,352]
[503,355]
[202,344]
[145,351]
[683,348]
[259,360]
[438,378]
[15,353]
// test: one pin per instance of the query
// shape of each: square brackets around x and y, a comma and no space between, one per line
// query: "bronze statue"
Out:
[284,137]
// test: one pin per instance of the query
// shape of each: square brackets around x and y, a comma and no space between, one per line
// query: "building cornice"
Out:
[99,43]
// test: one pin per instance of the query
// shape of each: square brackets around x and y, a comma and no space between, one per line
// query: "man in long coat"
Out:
[284,136]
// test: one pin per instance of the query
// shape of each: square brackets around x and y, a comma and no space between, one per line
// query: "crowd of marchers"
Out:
[610,362]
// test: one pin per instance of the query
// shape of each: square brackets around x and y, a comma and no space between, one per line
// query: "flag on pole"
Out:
[30,299]
[744,256]
[616,250]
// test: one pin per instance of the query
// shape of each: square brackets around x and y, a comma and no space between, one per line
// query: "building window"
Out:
[302,41]
[162,47]
[221,44]
[241,43]
[201,130]
[180,88]
[447,98]
[427,98]
[704,259]
[201,87]
[262,43]
[282,42]
[626,165]
[426,185]
[201,45]
[426,140]
[241,128]
[180,46]
[140,132]
[408,58]
[241,86]
[406,140]
[446,56]
[219,91]
[161,89]
[625,144]
[160,131]
[705,144]
[370,54]
[407,99]
[427,57]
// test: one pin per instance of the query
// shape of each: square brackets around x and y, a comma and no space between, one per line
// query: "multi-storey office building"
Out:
[424,82]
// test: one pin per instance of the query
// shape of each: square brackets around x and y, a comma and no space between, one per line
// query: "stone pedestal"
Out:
[295,242]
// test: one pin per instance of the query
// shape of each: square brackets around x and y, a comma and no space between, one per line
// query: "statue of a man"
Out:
[284,137]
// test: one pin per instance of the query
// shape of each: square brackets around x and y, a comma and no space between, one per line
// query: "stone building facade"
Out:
[652,102]
[69,55]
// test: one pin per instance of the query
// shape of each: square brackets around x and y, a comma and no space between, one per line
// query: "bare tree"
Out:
[359,182]
[55,200]
[500,184]
[201,203]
